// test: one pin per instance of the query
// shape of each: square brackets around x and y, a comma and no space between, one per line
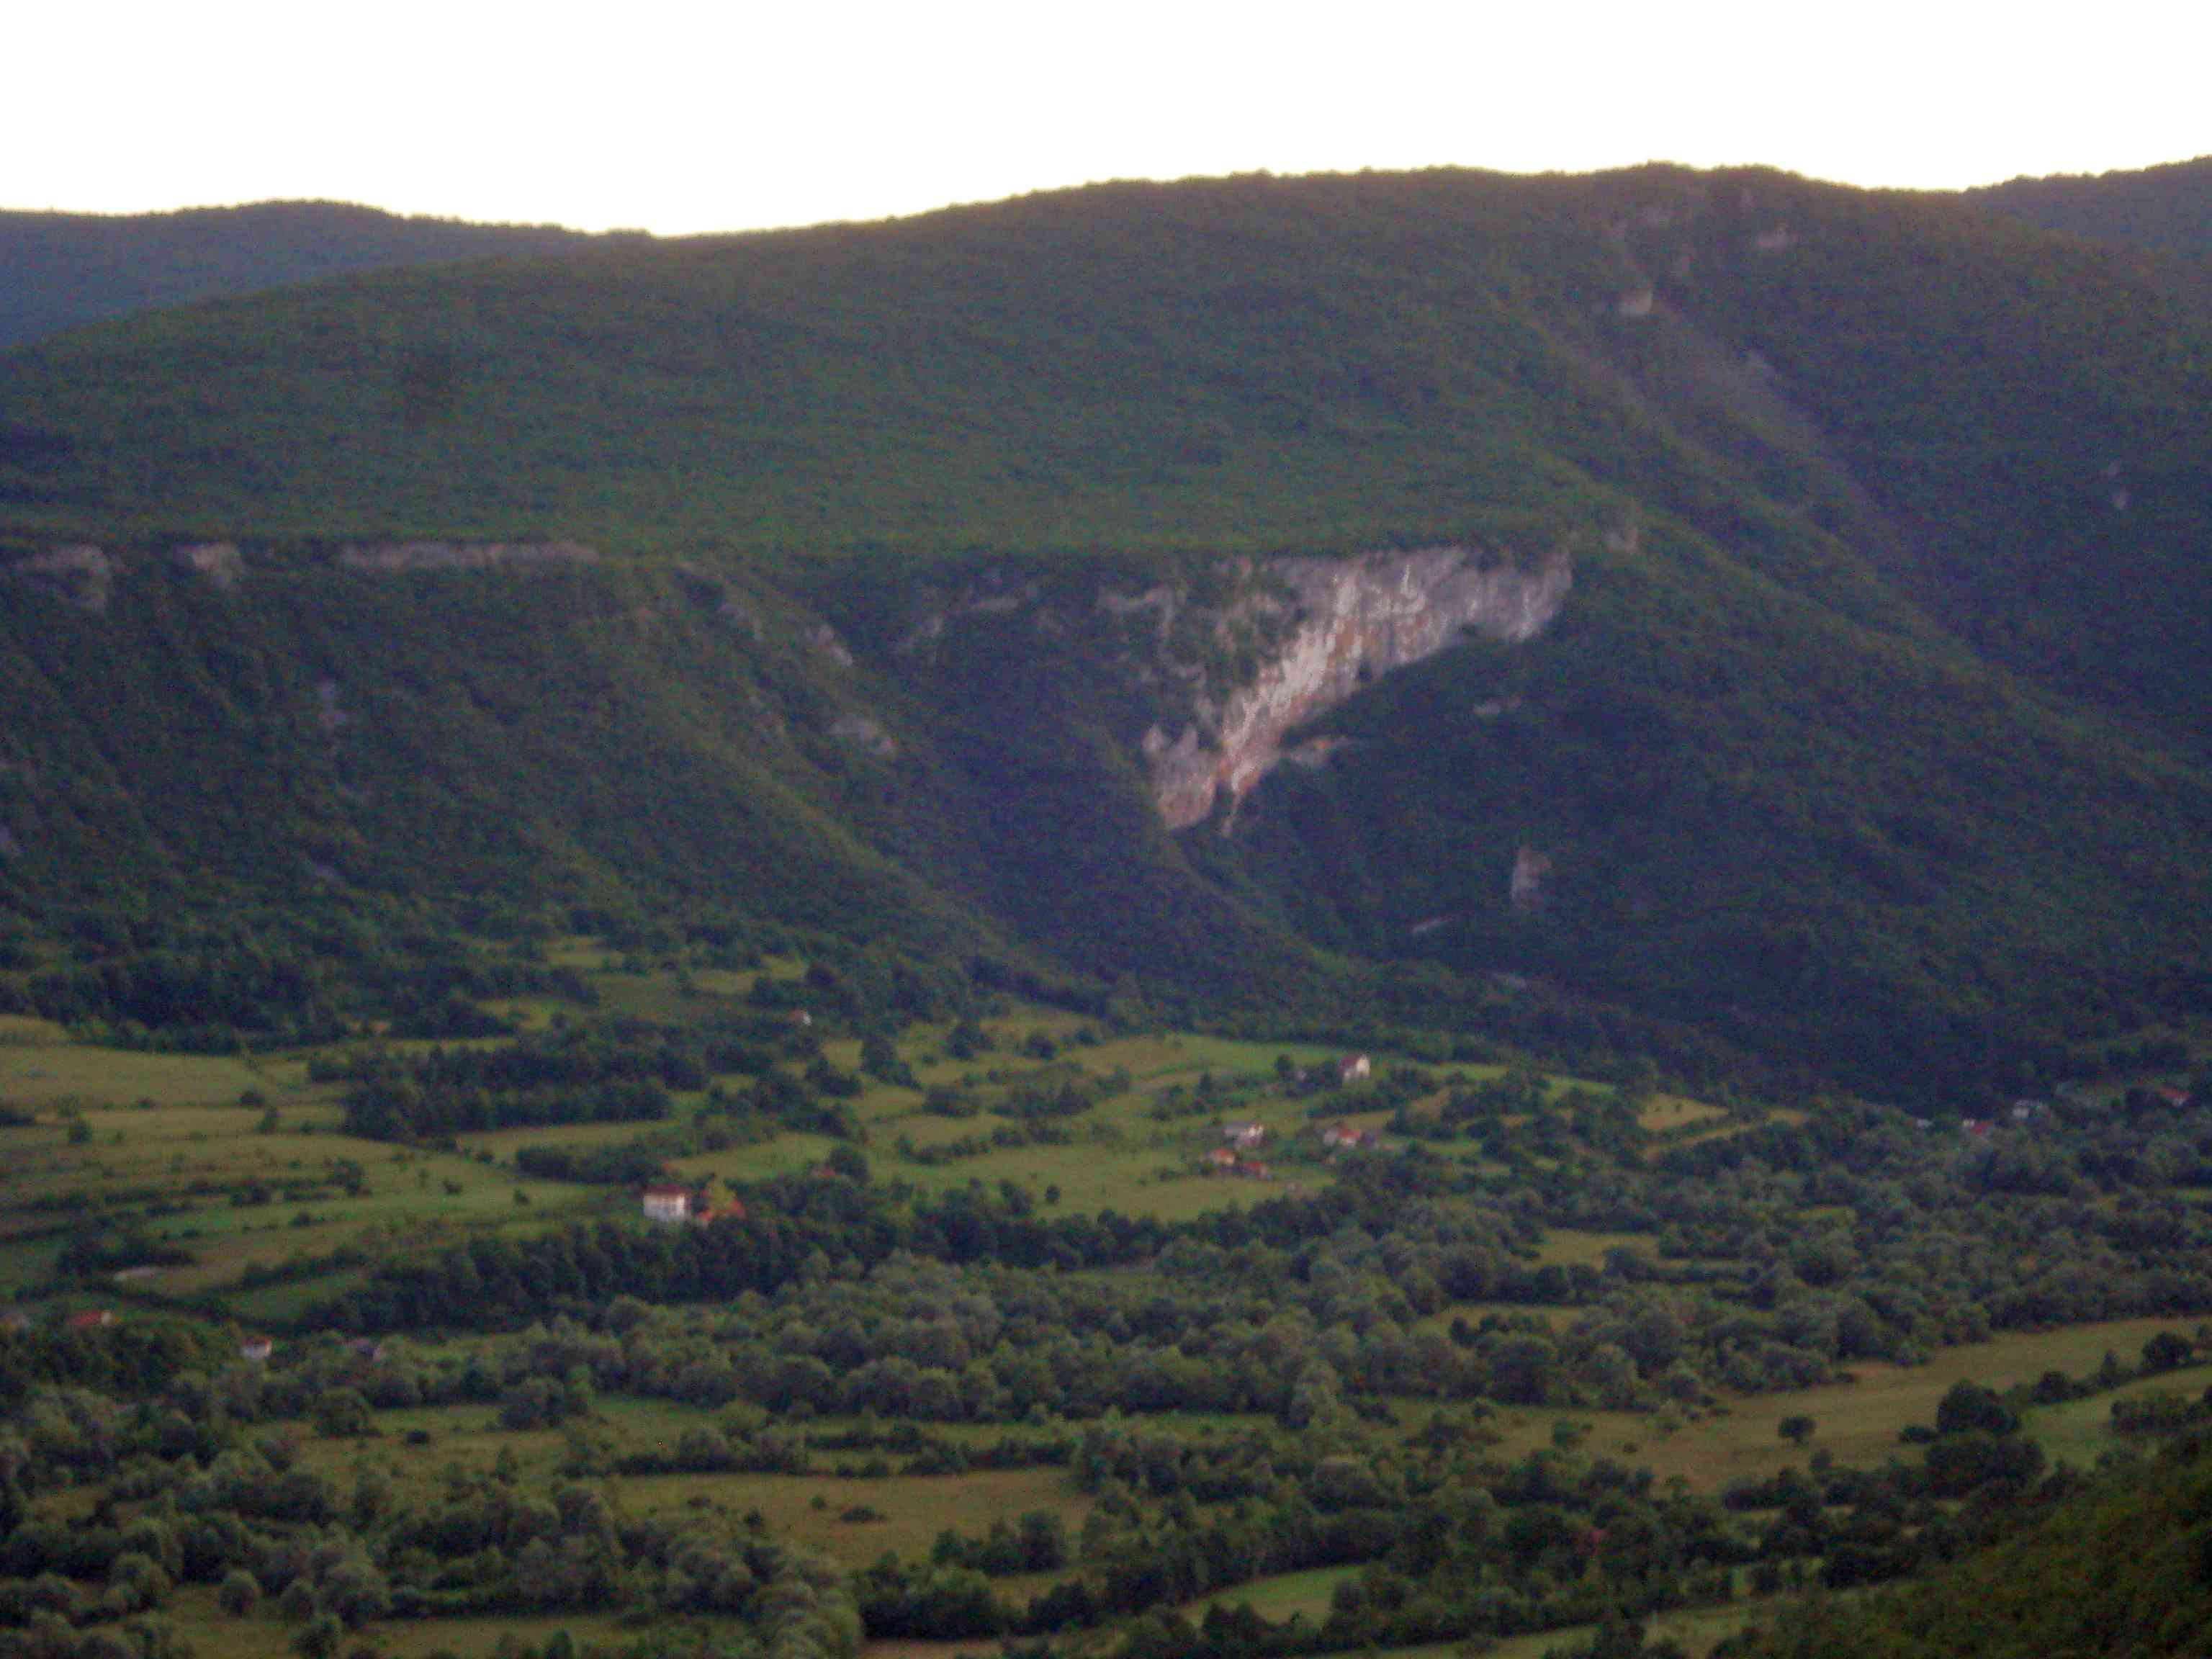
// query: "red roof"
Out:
[667,1189]
[91,1319]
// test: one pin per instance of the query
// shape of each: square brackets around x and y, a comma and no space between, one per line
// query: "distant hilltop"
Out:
[2167,207]
[58,269]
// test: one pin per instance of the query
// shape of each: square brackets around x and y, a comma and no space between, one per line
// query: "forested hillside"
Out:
[57,269]
[2120,1570]
[897,578]
[2165,207]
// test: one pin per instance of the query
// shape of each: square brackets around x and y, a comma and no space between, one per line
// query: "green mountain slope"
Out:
[2167,207]
[1869,733]
[58,269]
[2117,1571]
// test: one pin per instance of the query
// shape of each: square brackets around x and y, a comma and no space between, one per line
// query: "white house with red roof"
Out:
[666,1201]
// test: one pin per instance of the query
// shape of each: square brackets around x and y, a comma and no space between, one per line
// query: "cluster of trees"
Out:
[596,1073]
[835,1296]
[1918,1238]
[2116,1570]
[210,1504]
[268,975]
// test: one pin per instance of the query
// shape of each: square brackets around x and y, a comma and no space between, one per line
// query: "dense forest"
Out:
[2165,207]
[60,269]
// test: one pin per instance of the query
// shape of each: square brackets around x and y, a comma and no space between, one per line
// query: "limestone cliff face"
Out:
[1357,619]
[389,557]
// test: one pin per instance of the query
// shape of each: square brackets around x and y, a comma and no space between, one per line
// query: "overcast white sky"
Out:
[680,117]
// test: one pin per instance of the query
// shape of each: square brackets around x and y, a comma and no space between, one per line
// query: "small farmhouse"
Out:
[1354,1068]
[706,1214]
[255,1349]
[666,1202]
[1243,1136]
[1339,1136]
[1220,1159]
[92,1319]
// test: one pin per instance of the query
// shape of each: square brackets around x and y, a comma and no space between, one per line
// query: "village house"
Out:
[666,1202]
[1338,1137]
[2171,1095]
[1221,1159]
[706,1214]
[1354,1068]
[2027,1111]
[1979,1128]
[1251,1169]
[92,1319]
[1243,1136]
[255,1349]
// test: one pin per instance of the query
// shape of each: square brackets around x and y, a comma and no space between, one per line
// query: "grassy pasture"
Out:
[2080,1431]
[193,1613]
[1664,1112]
[169,1153]
[29,1030]
[809,1508]
[1118,1157]
[49,1072]
[1857,1421]
[1282,1596]
[787,1154]
[1565,1247]
[914,1509]
[1698,1630]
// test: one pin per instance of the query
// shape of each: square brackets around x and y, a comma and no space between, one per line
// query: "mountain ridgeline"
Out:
[58,269]
[1765,610]
[2168,207]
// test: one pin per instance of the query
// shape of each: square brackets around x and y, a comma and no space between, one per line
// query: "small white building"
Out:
[255,1350]
[666,1202]
[1354,1068]
[1245,1136]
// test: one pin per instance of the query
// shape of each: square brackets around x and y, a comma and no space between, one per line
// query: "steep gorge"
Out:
[1354,620]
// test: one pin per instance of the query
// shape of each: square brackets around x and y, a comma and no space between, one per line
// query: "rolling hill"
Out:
[1755,603]
[2119,1569]
[58,269]
[2165,207]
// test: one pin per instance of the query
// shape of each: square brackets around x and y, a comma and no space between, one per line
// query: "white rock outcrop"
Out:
[865,731]
[462,555]
[79,573]
[1528,888]
[219,563]
[1359,618]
